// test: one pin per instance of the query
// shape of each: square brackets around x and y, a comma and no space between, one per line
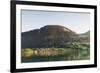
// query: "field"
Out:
[73,51]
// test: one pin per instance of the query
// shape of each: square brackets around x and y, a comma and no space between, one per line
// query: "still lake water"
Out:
[57,54]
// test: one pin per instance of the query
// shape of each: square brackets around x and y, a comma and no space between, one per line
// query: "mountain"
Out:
[86,34]
[48,36]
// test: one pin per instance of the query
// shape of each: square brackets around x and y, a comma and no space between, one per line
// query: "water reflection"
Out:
[54,54]
[44,52]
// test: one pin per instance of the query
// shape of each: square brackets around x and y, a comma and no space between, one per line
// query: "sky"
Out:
[35,19]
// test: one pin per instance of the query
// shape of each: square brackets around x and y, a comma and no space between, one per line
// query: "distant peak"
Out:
[53,28]
[52,25]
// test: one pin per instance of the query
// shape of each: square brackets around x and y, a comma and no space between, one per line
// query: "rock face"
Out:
[47,36]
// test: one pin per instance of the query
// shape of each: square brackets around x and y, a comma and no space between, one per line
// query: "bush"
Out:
[26,52]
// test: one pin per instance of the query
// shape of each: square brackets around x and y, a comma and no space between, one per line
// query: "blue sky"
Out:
[32,19]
